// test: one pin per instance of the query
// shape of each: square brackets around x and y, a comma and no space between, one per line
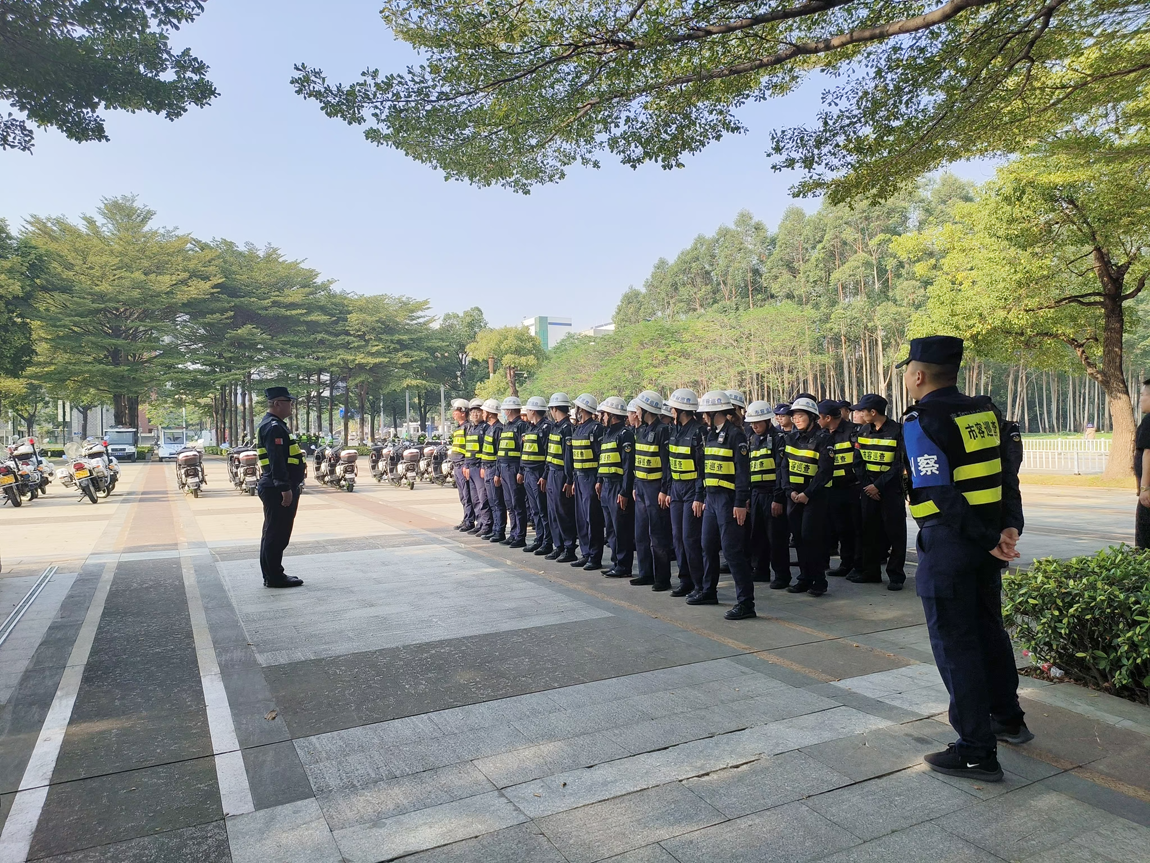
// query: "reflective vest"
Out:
[294,456]
[719,468]
[802,464]
[763,462]
[877,453]
[844,461]
[459,441]
[648,461]
[471,445]
[582,451]
[532,447]
[976,471]
[610,459]
[508,446]
[487,445]
[555,448]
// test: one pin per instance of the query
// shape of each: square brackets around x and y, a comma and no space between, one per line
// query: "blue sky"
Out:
[262,165]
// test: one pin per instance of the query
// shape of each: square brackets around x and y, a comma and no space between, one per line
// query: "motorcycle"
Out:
[345,469]
[336,466]
[406,465]
[39,470]
[10,483]
[442,470]
[104,469]
[24,469]
[79,472]
[190,471]
[244,469]
[377,461]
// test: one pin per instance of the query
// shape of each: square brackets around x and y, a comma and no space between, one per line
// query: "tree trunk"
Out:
[346,410]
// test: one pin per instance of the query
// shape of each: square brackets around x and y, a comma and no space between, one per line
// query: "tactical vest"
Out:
[508,446]
[802,464]
[533,448]
[682,459]
[610,458]
[878,453]
[294,456]
[648,461]
[487,445]
[763,462]
[719,468]
[459,441]
[976,471]
[582,451]
[555,448]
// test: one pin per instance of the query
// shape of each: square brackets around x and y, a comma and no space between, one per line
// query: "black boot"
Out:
[740,612]
[286,581]
[545,550]
[567,557]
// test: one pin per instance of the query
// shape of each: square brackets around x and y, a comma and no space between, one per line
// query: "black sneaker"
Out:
[816,591]
[798,587]
[953,764]
[682,591]
[474,530]
[1016,734]
[779,585]
[857,576]
[545,551]
[615,573]
[498,538]
[640,581]
[702,599]
[740,612]
[486,535]
[895,585]
[566,557]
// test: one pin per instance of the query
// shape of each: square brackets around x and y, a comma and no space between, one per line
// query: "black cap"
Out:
[936,350]
[274,393]
[782,408]
[804,396]
[871,402]
[844,403]
[829,407]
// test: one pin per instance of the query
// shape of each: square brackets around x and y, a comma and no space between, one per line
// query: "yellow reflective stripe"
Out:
[680,450]
[718,450]
[261,450]
[646,447]
[983,495]
[878,441]
[803,453]
[714,481]
[877,468]
[726,468]
[844,444]
[617,470]
[265,462]
[922,510]
[840,473]
[982,468]
[607,457]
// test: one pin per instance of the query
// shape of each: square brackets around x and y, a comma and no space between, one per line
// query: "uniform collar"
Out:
[940,393]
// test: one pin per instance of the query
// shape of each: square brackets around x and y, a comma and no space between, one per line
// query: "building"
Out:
[599,329]
[548,330]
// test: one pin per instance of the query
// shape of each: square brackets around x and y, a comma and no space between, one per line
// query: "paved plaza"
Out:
[429,697]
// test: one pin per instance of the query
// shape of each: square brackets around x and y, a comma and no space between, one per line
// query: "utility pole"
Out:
[442,412]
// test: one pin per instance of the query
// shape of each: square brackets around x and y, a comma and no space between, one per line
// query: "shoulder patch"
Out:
[742,449]
[626,447]
[929,465]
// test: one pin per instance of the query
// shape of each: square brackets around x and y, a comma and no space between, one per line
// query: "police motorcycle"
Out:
[435,465]
[377,460]
[244,468]
[10,483]
[32,471]
[402,463]
[105,468]
[89,468]
[190,471]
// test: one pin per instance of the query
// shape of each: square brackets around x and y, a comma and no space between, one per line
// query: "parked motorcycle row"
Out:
[406,463]
[25,473]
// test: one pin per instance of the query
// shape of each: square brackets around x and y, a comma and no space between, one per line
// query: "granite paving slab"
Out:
[765,783]
[289,833]
[920,842]
[521,843]
[200,844]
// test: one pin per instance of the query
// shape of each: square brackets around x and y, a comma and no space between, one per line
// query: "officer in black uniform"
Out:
[509,451]
[685,454]
[780,525]
[455,454]
[843,489]
[559,488]
[653,543]
[472,470]
[964,495]
[766,494]
[806,471]
[282,464]
[489,469]
[883,502]
[617,485]
[582,467]
[533,465]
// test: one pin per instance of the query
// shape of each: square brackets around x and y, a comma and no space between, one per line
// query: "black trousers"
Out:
[464,488]
[970,645]
[653,541]
[843,518]
[560,511]
[618,524]
[721,532]
[514,498]
[278,523]
[759,542]
[687,534]
[808,524]
[781,547]
[589,517]
[537,502]
[884,526]
[480,506]
[1142,527]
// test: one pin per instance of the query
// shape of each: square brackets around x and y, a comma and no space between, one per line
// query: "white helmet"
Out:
[536,403]
[512,403]
[491,406]
[667,410]
[684,400]
[758,412]
[587,402]
[651,401]
[715,400]
[737,399]
[805,404]
[613,405]
[559,400]
[459,404]
[475,403]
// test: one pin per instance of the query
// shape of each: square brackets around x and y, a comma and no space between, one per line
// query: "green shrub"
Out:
[212,450]
[1090,616]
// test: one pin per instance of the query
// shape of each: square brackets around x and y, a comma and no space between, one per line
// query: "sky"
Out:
[262,165]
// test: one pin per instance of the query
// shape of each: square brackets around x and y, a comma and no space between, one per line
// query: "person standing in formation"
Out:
[456,454]
[883,501]
[616,485]
[533,464]
[509,476]
[560,493]
[282,467]
[582,465]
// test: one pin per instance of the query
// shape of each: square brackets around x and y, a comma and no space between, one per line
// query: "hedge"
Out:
[1089,616]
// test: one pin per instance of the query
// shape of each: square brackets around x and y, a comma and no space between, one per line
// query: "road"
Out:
[429,696]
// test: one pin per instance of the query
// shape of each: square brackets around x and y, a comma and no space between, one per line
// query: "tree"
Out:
[513,350]
[15,296]
[25,398]
[457,330]
[63,60]
[111,294]
[1050,254]
[513,94]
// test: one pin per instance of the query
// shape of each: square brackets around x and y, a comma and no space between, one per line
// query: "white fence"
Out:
[1065,455]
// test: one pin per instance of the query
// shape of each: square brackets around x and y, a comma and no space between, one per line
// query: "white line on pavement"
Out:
[20,826]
